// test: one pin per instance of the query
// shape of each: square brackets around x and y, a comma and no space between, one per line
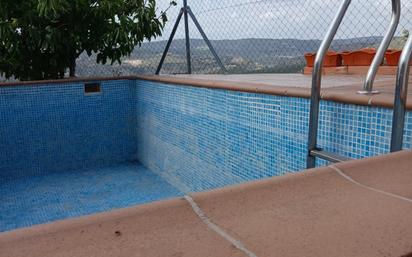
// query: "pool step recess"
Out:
[328,156]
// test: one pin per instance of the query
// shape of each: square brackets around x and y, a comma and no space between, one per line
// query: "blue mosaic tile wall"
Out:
[195,138]
[54,128]
[200,138]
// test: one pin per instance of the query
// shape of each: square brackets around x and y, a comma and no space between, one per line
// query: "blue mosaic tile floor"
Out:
[41,199]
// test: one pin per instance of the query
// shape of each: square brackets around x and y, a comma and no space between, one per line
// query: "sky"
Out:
[302,19]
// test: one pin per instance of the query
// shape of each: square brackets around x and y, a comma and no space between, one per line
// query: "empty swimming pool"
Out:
[75,148]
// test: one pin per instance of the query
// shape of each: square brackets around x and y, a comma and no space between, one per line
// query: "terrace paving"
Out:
[286,80]
[356,208]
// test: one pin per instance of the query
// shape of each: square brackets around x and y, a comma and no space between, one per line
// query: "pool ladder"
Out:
[401,85]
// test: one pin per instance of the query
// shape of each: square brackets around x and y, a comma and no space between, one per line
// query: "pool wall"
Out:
[56,127]
[203,138]
[196,138]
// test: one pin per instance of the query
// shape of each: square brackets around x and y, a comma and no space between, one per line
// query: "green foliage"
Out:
[405,34]
[41,39]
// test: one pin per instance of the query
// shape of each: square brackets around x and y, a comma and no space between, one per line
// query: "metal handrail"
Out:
[401,94]
[317,81]
[378,59]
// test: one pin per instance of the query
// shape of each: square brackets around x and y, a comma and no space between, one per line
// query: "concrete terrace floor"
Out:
[45,198]
[356,208]
[286,80]
[335,87]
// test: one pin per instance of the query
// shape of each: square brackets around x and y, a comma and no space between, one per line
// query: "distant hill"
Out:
[257,46]
[251,55]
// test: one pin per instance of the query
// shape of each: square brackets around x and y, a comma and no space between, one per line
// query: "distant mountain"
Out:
[243,47]
[250,55]
[239,56]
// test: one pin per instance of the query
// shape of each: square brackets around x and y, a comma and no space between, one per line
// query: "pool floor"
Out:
[55,196]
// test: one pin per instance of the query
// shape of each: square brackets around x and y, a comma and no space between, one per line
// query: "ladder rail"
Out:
[383,47]
[317,81]
[401,94]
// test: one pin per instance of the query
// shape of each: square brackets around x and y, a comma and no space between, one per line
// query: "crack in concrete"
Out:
[236,243]
[340,172]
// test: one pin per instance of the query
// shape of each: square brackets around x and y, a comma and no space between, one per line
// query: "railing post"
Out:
[401,95]
[380,54]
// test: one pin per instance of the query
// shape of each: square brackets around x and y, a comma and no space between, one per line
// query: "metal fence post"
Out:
[187,36]
[169,42]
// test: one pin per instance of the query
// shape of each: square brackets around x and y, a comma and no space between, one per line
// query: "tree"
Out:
[41,39]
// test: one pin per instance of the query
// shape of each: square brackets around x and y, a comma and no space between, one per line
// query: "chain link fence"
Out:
[256,36]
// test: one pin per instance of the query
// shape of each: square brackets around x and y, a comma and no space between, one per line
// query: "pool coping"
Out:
[344,94]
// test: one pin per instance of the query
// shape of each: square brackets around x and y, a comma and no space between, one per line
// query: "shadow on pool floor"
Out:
[55,196]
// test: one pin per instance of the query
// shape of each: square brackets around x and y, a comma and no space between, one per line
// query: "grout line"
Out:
[216,228]
[340,172]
